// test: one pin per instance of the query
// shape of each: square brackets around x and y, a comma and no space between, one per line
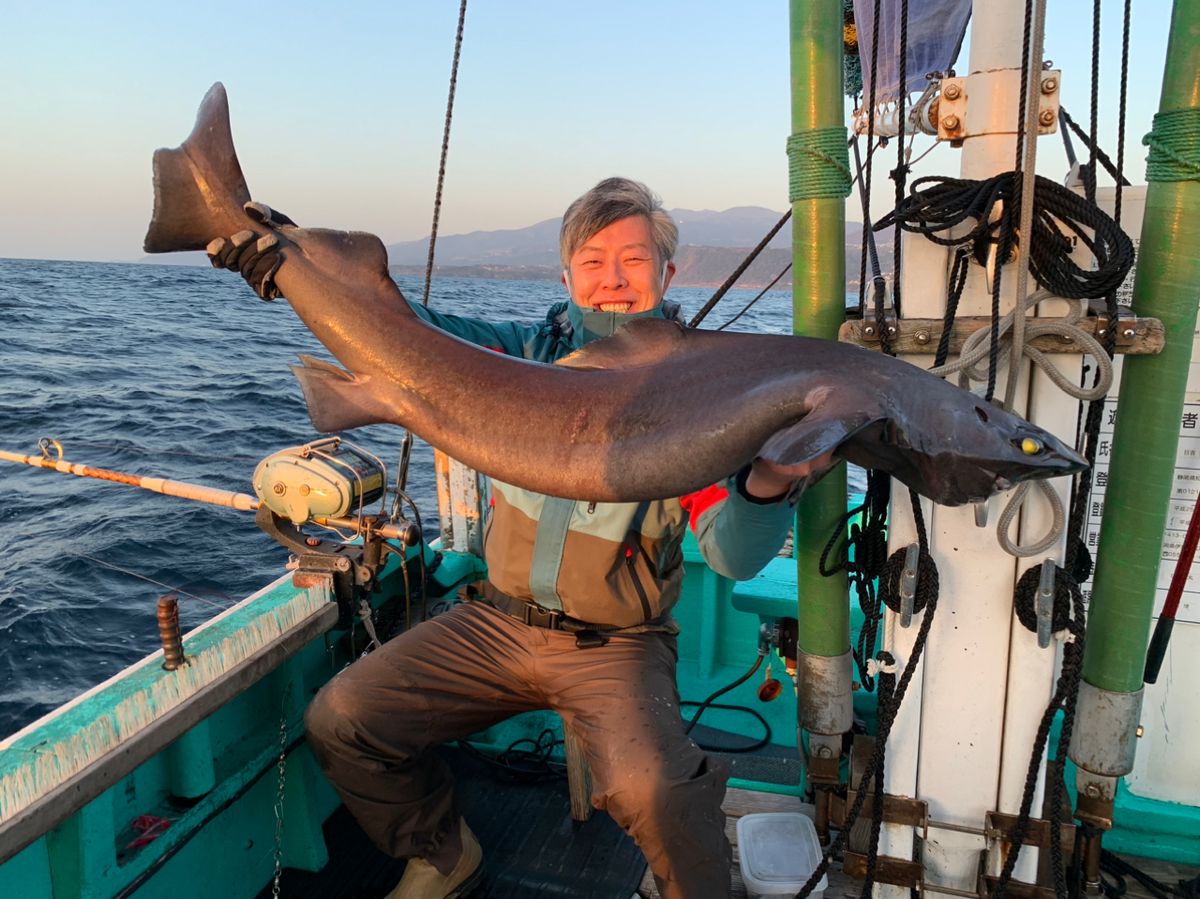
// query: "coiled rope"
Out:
[1174,142]
[941,208]
[819,164]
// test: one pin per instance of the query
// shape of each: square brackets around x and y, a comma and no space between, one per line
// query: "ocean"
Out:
[176,372]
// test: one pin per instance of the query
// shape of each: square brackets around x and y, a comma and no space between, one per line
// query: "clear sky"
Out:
[337,109]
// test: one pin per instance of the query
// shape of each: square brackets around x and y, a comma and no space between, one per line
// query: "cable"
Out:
[737,683]
[758,744]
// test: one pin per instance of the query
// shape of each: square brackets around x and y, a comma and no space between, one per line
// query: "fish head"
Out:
[970,451]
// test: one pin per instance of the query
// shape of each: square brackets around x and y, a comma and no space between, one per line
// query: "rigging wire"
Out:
[762,293]
[737,272]
[437,198]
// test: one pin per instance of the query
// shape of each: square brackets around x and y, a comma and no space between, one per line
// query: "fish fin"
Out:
[337,399]
[199,190]
[643,341]
[810,438]
[344,255]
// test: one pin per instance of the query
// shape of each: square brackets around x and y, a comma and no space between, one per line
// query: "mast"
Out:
[1141,472]
[818,192]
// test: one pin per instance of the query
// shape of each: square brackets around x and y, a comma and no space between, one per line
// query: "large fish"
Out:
[654,411]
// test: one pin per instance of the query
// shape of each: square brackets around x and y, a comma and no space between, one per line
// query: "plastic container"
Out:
[778,853]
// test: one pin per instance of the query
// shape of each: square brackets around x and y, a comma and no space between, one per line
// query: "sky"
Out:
[337,109]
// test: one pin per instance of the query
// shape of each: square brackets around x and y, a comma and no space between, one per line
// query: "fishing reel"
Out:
[327,478]
[331,483]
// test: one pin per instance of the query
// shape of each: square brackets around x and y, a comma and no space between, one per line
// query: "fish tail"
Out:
[199,191]
[337,400]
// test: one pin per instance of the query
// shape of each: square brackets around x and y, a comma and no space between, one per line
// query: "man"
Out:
[574,615]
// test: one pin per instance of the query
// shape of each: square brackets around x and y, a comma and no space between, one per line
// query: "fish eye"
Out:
[1031,446]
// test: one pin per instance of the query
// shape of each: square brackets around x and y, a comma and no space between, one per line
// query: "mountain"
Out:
[711,245]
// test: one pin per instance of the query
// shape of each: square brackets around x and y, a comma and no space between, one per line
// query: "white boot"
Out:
[422,880]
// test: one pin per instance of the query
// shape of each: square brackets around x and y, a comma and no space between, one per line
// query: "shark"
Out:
[657,410]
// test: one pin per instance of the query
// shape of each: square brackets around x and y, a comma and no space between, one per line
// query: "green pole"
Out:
[1145,441]
[818,294]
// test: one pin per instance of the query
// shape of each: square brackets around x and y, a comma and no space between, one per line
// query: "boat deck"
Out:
[746,802]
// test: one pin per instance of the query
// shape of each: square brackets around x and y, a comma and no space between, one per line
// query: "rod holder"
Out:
[168,632]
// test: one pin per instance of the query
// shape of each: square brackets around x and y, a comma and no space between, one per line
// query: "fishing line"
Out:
[150,580]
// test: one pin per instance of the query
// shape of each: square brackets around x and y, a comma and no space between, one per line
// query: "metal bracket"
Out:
[908,583]
[986,103]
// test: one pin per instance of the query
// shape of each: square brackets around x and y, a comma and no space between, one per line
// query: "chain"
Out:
[283,741]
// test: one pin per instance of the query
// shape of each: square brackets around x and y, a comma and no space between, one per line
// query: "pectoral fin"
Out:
[337,400]
[792,449]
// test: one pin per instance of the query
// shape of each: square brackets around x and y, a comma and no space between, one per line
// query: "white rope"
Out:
[971,365]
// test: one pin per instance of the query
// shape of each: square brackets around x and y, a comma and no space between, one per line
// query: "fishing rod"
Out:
[318,483]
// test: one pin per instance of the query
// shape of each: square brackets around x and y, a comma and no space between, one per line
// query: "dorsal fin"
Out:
[345,255]
[643,341]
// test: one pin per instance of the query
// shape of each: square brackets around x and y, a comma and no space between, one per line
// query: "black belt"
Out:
[535,616]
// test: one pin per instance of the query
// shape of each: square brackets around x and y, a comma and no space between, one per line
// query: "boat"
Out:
[187,773]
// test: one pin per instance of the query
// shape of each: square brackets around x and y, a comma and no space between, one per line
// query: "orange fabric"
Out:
[696,504]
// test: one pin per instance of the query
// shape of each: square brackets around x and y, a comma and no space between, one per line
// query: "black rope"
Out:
[879,291]
[900,173]
[437,197]
[868,248]
[1089,184]
[737,272]
[937,205]
[958,280]
[1101,156]
[863,556]
[887,712]
[1068,616]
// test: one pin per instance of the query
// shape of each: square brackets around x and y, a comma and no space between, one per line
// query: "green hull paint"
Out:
[235,821]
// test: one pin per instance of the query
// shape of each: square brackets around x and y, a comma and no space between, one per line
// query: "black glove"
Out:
[255,257]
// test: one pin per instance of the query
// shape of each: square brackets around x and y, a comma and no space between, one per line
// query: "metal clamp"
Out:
[908,583]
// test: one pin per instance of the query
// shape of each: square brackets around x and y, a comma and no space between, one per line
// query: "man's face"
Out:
[617,269]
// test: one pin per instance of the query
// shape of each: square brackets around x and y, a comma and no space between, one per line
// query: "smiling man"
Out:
[574,615]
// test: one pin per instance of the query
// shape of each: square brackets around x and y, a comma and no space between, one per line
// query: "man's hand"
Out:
[765,482]
[255,257]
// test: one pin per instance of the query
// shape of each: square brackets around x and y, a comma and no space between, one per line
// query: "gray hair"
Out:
[610,201]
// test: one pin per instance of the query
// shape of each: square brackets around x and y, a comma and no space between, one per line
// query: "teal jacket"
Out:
[614,565]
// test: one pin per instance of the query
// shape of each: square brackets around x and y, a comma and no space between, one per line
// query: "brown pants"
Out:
[373,724]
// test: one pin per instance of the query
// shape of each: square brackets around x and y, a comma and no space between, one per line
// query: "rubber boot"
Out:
[422,880]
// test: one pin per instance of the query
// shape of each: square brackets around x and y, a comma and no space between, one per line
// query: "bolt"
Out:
[1050,85]
[1129,333]
[824,752]
[305,490]
[922,337]
[342,564]
[1093,790]
[952,92]
[869,331]
[1140,732]
[279,488]
[950,123]
[891,329]
[312,541]
[1047,117]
